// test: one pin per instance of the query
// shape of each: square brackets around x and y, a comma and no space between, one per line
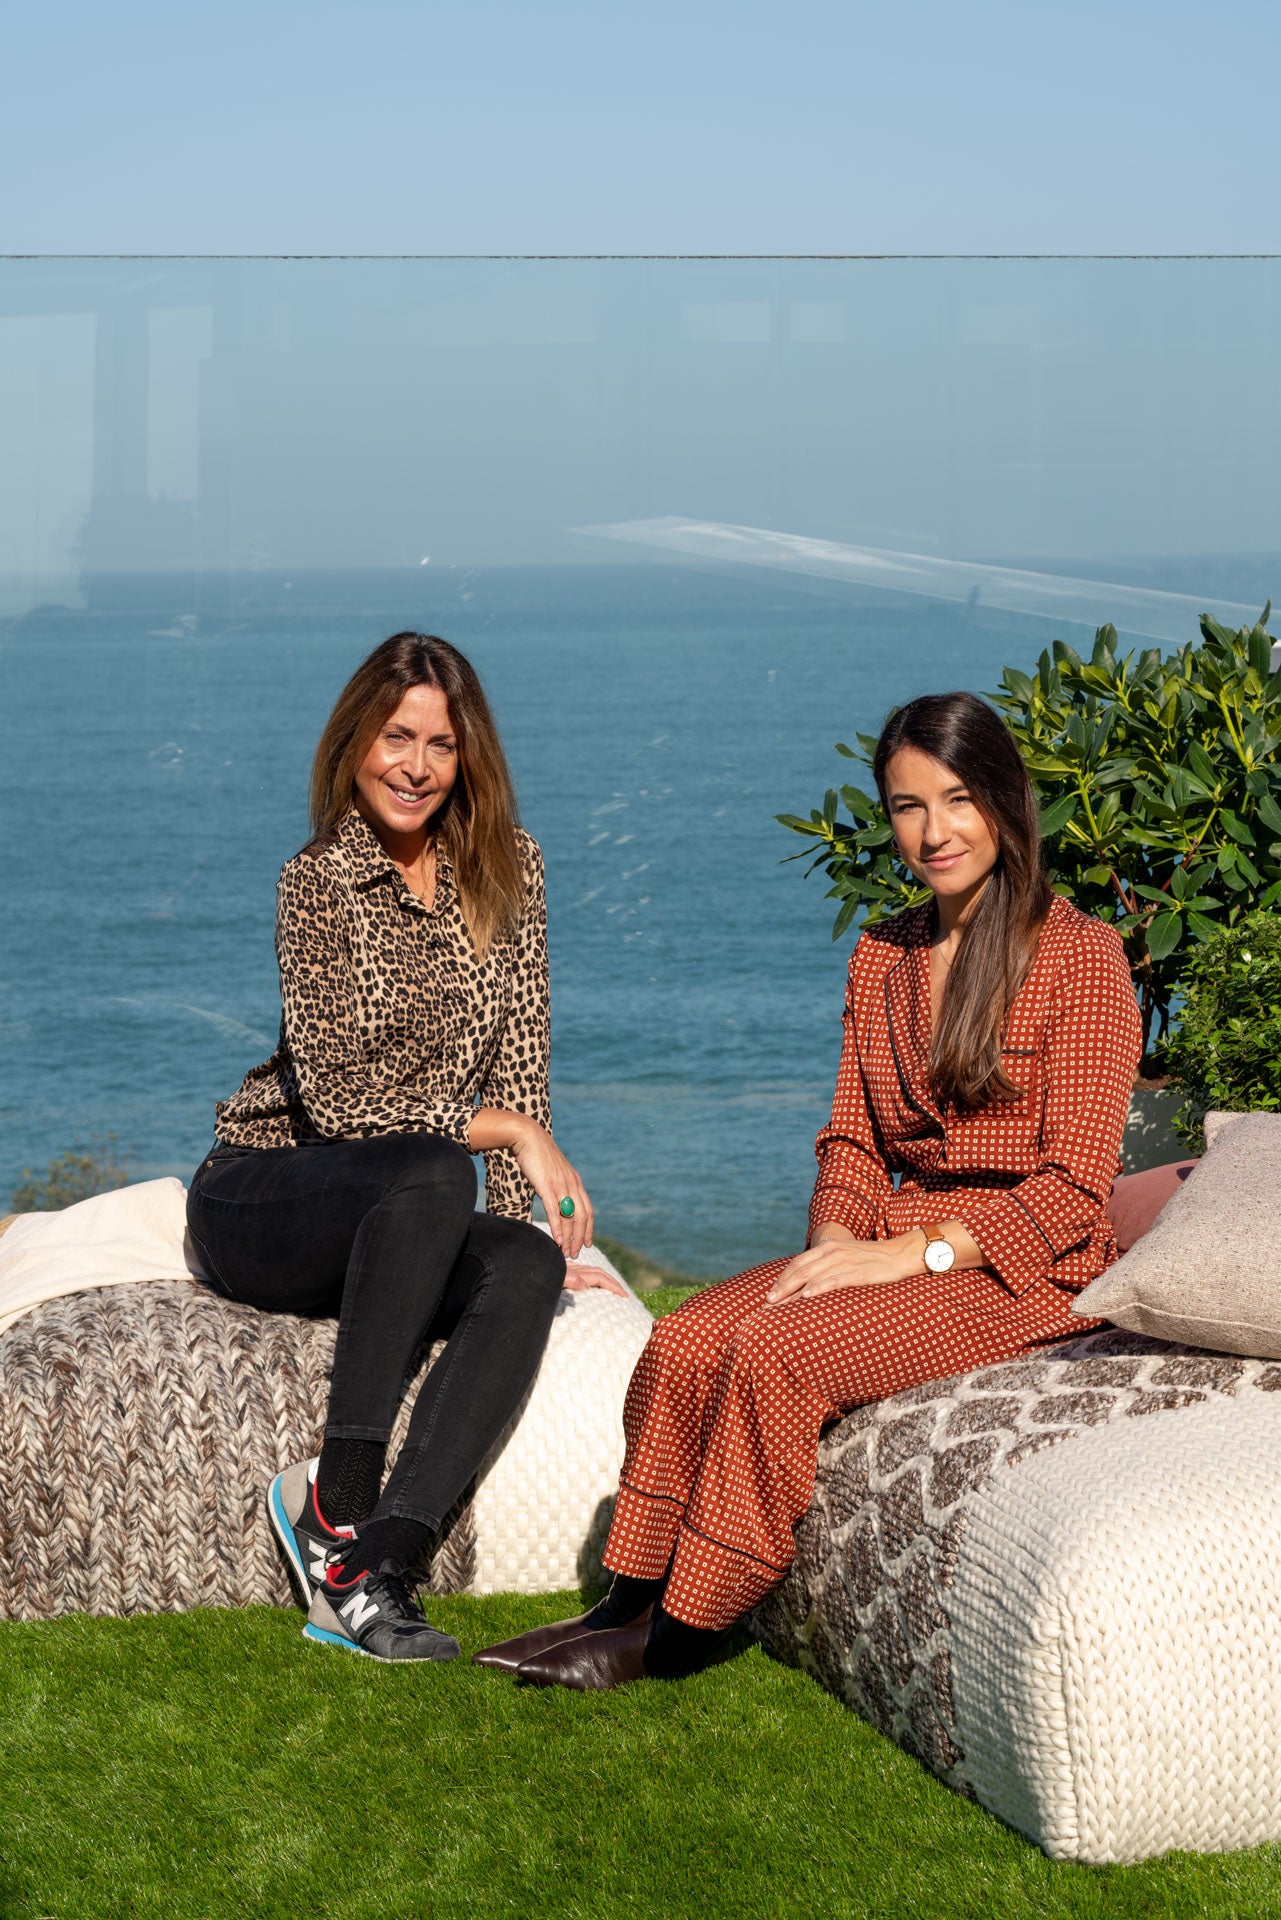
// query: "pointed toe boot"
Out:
[509,1654]
[593,1662]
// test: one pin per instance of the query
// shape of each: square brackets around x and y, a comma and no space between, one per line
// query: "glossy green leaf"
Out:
[844,917]
[1261,651]
[1163,768]
[1058,813]
[1236,826]
[1164,935]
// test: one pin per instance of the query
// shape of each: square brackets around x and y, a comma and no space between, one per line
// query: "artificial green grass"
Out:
[215,1764]
[194,1766]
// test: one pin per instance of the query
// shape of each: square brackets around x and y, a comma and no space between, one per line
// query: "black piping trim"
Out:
[854,1192]
[666,1498]
[1023,1208]
[898,1064]
[742,1552]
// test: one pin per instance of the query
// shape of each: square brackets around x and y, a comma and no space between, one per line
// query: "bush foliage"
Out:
[1159,783]
[1226,1053]
[73,1176]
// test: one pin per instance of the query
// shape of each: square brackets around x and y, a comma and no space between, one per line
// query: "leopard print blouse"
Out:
[389,1023]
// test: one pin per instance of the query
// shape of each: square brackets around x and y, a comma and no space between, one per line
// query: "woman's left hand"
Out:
[579,1278]
[843,1263]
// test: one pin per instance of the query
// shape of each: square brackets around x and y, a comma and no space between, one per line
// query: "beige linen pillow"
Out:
[133,1233]
[1207,1270]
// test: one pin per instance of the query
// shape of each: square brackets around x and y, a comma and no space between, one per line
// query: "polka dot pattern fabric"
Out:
[726,1406]
[725,1409]
[1029,1177]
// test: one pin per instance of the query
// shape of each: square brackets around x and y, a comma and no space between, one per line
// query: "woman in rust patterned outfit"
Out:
[990,1042]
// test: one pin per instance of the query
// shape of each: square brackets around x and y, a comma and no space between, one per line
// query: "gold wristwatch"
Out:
[940,1254]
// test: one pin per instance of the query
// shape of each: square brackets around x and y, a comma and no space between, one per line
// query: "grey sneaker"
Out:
[296,1521]
[375,1614]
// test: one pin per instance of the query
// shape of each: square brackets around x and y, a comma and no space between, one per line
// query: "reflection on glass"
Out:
[223,481]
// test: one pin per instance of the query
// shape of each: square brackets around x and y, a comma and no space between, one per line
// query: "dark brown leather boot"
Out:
[593,1662]
[508,1654]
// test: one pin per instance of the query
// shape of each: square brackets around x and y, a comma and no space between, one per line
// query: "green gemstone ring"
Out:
[567,1207]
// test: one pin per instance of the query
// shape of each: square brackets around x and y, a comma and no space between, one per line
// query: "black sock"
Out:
[347,1480]
[674,1651]
[626,1600]
[393,1539]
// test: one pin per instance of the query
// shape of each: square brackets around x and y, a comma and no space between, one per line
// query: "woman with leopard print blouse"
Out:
[411,937]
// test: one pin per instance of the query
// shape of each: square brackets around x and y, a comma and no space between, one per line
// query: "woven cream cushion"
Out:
[545,1497]
[141,1420]
[1057,1582]
[1115,1612]
[1207,1271]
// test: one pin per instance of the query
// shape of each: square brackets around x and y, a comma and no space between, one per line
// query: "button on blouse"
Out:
[389,1021]
[1030,1177]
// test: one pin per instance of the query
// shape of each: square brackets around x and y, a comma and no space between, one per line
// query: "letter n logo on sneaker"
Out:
[357,1610]
[319,1559]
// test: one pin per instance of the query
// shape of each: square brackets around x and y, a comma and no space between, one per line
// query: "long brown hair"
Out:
[999,942]
[476,825]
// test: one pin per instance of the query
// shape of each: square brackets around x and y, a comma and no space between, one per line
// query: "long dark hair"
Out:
[999,942]
[477,824]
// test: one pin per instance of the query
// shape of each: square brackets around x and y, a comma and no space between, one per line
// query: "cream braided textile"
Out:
[1057,1582]
[140,1425]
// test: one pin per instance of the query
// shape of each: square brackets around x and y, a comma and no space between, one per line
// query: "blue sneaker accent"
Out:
[334,1640]
[376,1614]
[303,1535]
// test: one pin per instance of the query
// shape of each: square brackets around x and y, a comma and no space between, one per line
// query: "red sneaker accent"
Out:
[335,1533]
[340,1585]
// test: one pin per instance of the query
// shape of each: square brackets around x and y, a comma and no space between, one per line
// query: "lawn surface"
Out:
[194,1766]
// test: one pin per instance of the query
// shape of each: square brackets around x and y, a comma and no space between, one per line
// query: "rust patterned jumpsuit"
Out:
[727,1402]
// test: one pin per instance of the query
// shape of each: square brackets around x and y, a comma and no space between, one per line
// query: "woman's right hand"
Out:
[552,1177]
[545,1167]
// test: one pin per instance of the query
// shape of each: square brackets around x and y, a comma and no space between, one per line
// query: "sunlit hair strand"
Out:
[476,826]
[999,942]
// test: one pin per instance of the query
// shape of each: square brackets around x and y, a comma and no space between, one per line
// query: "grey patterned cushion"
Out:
[1207,1270]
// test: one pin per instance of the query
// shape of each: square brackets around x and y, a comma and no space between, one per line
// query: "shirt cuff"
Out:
[846,1207]
[507,1192]
[1012,1243]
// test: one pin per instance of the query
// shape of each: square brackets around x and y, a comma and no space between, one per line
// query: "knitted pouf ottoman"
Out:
[1058,1583]
[140,1425]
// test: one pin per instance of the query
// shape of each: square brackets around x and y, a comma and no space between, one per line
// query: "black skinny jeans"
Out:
[382,1232]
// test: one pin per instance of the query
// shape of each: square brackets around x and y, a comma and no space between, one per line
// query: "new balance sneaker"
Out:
[374,1614]
[301,1528]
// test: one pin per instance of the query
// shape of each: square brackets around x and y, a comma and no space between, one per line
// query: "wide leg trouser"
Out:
[728,1399]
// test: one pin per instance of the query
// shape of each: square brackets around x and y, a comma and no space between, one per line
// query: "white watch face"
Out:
[939,1255]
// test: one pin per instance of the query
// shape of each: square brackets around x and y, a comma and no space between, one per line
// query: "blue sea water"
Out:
[154,752]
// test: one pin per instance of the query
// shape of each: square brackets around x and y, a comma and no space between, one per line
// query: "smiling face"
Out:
[409,771]
[941,834]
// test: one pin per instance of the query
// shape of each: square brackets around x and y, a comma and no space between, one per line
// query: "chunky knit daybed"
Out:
[1056,1581]
[140,1425]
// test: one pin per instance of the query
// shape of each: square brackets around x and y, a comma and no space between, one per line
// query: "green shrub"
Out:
[1226,1052]
[72,1176]
[1159,781]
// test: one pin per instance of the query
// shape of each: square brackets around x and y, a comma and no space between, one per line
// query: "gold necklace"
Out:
[428,854]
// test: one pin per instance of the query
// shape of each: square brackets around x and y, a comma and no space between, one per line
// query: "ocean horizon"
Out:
[153,769]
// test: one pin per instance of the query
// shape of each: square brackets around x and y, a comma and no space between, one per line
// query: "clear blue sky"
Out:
[589,126]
